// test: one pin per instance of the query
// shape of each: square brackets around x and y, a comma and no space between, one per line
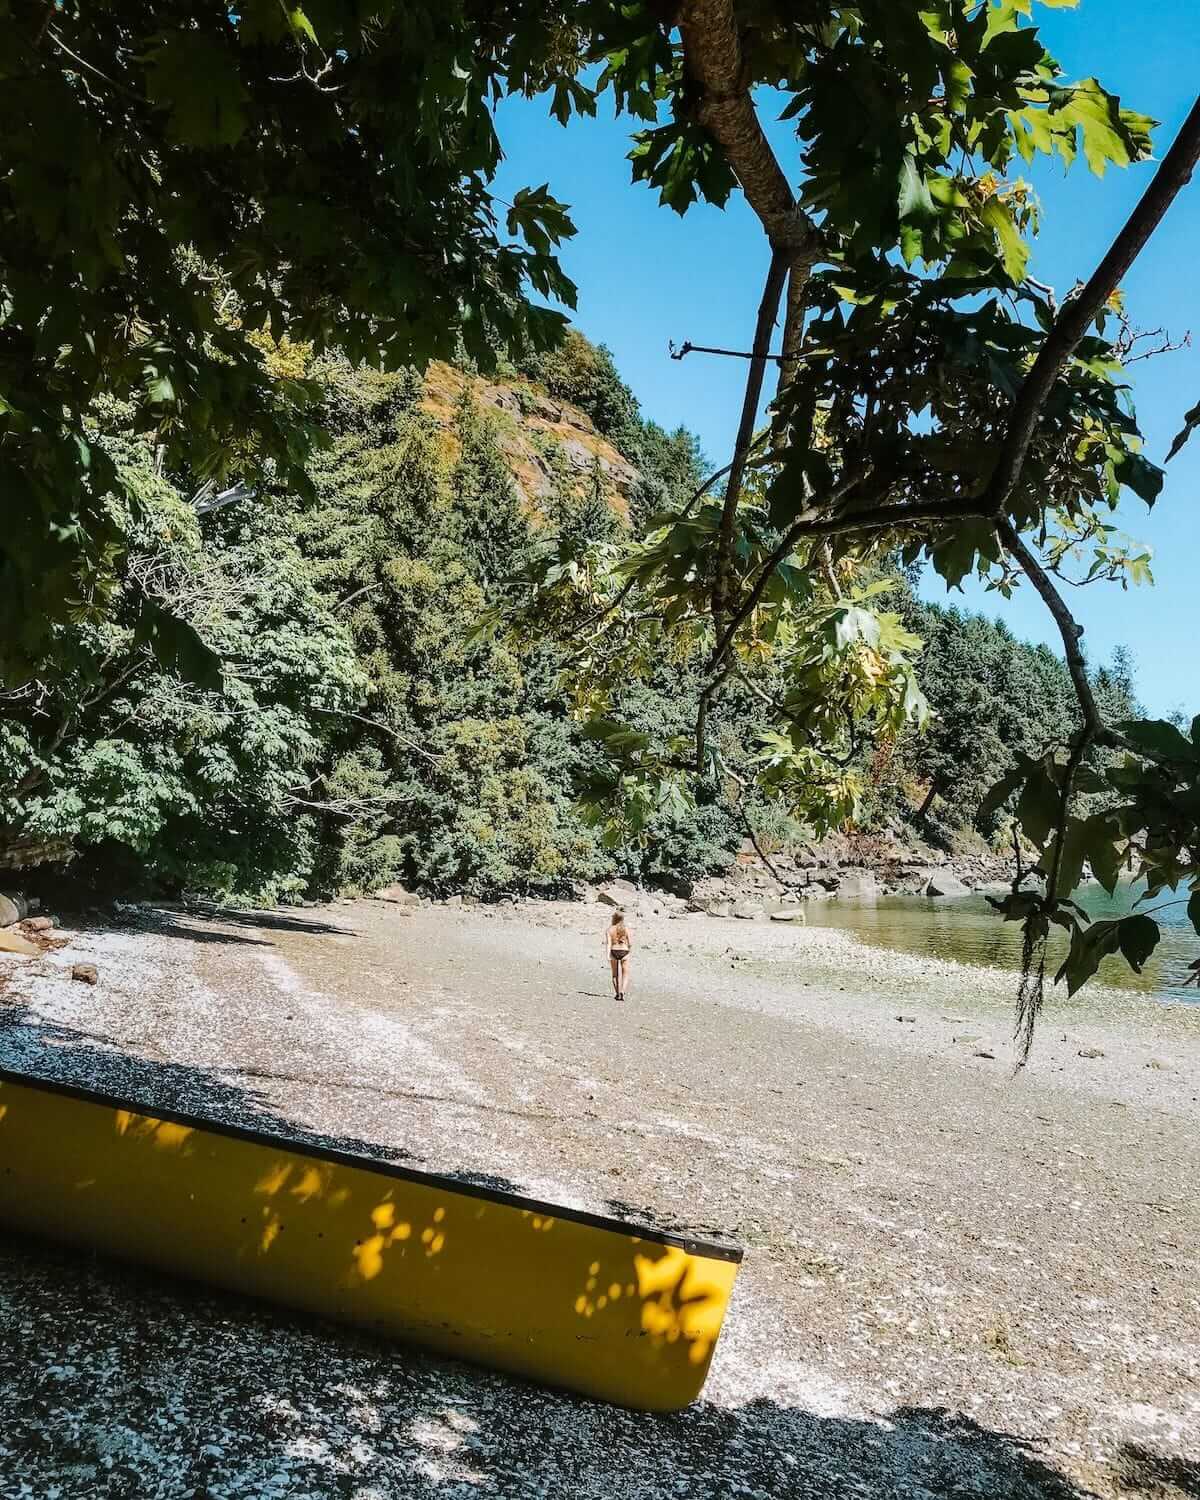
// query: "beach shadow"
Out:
[1143,1471]
[195,929]
[275,920]
[261,1402]
[214,924]
[67,1054]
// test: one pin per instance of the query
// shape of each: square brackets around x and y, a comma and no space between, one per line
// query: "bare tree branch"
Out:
[682,351]
[1047,291]
[715,62]
[367,588]
[1068,627]
[204,502]
[342,713]
[767,313]
[1165,345]
[1078,314]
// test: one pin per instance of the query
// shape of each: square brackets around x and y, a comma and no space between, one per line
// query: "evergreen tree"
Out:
[419,551]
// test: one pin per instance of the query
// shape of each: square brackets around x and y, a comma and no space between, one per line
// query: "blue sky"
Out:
[645,277]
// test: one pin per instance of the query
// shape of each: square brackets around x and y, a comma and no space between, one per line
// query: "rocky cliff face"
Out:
[535,432]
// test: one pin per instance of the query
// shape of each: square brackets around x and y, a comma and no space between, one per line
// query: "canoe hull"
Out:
[563,1298]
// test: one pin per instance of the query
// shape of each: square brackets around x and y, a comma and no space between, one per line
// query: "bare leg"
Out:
[624,985]
[615,965]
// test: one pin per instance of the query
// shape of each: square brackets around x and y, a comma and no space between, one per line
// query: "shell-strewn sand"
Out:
[957,1283]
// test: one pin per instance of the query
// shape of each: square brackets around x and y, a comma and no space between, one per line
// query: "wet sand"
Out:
[957,1282]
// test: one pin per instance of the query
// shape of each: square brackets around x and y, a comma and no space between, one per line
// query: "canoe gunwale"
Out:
[709,1249]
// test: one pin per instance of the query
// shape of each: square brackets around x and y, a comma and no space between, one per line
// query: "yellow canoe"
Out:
[609,1309]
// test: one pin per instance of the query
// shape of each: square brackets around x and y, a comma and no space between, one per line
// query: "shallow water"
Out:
[969,930]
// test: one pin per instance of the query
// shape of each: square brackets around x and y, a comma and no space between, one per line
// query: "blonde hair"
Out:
[618,926]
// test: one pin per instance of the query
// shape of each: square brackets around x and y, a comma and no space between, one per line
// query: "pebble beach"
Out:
[960,1278]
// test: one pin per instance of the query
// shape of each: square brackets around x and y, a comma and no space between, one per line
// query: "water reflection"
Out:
[970,931]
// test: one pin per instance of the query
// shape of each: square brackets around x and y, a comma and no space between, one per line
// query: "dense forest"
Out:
[362,730]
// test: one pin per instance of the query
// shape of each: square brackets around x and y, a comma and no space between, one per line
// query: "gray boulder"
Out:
[719,908]
[943,883]
[748,911]
[398,896]
[618,893]
[858,885]
[13,908]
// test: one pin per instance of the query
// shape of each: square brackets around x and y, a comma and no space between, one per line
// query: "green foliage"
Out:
[919,331]
[177,179]
[357,729]
[451,740]
[184,191]
[363,730]
[1148,796]
[113,750]
[991,698]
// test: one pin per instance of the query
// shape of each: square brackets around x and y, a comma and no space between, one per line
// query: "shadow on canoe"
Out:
[151,1163]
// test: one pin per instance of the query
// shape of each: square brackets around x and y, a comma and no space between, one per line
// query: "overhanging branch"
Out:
[1068,627]
[1081,311]
[681,351]
[716,64]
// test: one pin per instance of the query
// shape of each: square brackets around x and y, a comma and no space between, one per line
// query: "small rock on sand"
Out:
[1090,1052]
[38,924]
[908,1020]
[85,973]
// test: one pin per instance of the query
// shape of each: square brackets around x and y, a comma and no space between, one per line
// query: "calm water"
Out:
[972,932]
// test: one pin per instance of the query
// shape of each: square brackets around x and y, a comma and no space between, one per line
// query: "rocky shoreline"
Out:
[853,868]
[777,885]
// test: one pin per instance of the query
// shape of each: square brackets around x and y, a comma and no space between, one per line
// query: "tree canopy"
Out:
[932,399]
[179,181]
[188,193]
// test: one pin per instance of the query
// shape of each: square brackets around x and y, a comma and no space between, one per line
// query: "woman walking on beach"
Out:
[617,944]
